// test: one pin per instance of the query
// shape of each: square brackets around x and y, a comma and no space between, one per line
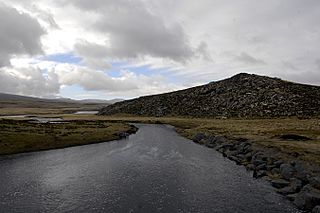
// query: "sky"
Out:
[104,49]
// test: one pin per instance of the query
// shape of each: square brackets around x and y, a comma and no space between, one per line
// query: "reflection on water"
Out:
[154,170]
[86,112]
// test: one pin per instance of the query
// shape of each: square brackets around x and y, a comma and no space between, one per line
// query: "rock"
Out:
[292,197]
[211,141]
[301,172]
[315,182]
[275,171]
[278,163]
[286,190]
[308,198]
[220,140]
[234,158]
[250,166]
[199,137]
[294,187]
[280,183]
[229,153]
[270,167]
[248,156]
[296,184]
[123,135]
[241,157]
[266,178]
[259,174]
[210,145]
[287,171]
[316,209]
[258,162]
[261,167]
[271,160]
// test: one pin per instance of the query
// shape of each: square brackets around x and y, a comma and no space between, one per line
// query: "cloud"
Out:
[19,34]
[289,65]
[248,59]
[28,81]
[128,84]
[133,31]
[317,62]
[91,80]
[94,55]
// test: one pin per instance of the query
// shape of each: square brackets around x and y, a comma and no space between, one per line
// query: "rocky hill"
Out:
[243,95]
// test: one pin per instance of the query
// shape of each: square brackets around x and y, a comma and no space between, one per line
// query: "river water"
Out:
[154,170]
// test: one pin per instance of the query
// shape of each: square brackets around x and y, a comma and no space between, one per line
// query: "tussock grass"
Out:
[21,136]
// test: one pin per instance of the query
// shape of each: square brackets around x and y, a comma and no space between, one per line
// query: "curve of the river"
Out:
[155,170]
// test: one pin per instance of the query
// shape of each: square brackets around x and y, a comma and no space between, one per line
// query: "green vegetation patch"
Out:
[22,136]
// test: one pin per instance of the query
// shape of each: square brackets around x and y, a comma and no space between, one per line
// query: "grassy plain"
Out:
[21,136]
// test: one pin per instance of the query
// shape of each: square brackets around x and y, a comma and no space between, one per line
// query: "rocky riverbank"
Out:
[296,180]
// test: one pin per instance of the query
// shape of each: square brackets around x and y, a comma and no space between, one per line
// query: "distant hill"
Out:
[243,96]
[11,97]
[17,104]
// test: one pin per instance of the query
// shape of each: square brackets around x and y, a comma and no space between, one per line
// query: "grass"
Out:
[21,136]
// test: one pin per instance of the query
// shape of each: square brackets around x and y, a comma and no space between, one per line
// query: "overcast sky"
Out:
[123,48]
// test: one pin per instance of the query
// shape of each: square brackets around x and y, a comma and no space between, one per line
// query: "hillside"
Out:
[243,95]
[16,104]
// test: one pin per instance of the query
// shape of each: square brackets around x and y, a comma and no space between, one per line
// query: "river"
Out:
[155,170]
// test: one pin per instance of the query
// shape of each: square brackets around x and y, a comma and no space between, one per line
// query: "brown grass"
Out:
[21,136]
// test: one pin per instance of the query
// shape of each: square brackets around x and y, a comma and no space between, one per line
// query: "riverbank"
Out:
[22,136]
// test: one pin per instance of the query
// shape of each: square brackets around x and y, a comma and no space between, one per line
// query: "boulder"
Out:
[286,190]
[292,197]
[261,166]
[235,159]
[259,174]
[308,198]
[123,135]
[301,171]
[199,137]
[211,141]
[275,171]
[315,182]
[280,183]
[278,163]
[287,171]
[250,166]
[294,187]
[241,157]
[248,156]
[257,162]
[296,184]
[220,140]
[270,167]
